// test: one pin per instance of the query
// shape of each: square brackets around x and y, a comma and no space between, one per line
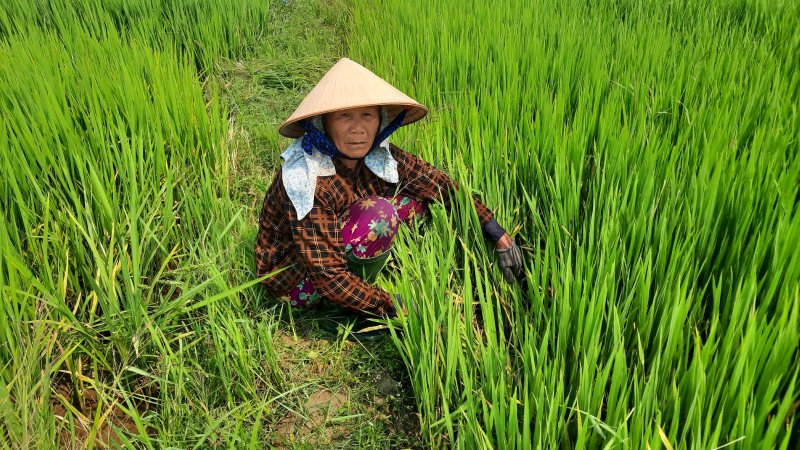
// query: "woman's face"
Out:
[353,130]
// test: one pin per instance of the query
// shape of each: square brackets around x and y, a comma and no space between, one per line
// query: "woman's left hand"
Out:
[510,258]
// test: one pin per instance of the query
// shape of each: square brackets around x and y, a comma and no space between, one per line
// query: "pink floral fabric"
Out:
[368,229]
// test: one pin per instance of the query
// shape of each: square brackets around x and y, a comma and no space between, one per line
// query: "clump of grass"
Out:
[124,272]
[649,170]
[198,31]
[130,316]
[652,174]
[111,253]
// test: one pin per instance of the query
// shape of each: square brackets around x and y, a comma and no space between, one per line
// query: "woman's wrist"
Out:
[504,242]
[492,230]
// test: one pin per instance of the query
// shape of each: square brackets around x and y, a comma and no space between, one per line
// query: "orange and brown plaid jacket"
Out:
[313,247]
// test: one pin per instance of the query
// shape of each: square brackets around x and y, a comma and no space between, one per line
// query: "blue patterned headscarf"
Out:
[317,139]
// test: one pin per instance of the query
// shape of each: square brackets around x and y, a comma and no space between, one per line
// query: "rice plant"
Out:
[122,257]
[200,31]
[646,156]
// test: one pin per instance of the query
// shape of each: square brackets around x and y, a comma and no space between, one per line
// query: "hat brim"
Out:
[415,112]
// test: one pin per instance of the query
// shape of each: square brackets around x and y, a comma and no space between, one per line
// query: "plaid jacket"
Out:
[313,247]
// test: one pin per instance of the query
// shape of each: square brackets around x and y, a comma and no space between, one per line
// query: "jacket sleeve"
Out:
[321,250]
[426,182]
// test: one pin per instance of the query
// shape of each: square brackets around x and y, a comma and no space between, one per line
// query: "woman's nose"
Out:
[358,128]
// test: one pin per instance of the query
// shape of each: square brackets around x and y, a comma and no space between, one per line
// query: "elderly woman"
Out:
[330,215]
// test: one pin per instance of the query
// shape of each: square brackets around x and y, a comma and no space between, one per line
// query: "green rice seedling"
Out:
[644,154]
[202,31]
[116,245]
[128,313]
[652,173]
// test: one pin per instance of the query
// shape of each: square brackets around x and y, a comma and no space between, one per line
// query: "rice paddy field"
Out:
[644,155]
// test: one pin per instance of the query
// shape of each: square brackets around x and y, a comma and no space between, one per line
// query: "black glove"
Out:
[510,262]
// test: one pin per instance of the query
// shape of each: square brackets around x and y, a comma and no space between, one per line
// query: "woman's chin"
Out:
[356,151]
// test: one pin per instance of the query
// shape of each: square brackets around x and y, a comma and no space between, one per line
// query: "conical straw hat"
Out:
[350,85]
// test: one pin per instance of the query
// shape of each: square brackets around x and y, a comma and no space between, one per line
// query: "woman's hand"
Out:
[510,258]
